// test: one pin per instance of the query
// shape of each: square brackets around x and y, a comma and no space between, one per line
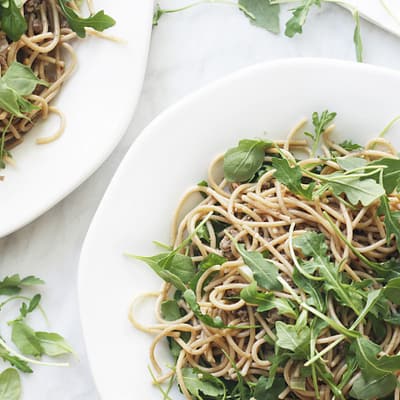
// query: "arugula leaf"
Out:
[390,174]
[26,309]
[11,285]
[15,361]
[242,162]
[350,146]
[25,339]
[349,163]
[392,223]
[12,21]
[392,290]
[267,301]
[300,13]
[291,338]
[211,260]
[371,366]
[99,21]
[10,385]
[357,37]
[313,245]
[265,272]
[191,301]
[203,233]
[320,123]
[170,310]
[311,288]
[369,389]
[53,344]
[200,384]
[291,177]
[265,15]
[262,392]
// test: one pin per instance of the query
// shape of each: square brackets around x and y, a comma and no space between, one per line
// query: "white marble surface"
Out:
[187,51]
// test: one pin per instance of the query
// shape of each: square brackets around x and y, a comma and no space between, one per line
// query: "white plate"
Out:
[98,100]
[172,154]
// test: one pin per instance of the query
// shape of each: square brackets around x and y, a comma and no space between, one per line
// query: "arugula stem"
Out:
[30,360]
[3,139]
[165,393]
[317,356]
[389,126]
[200,2]
[27,299]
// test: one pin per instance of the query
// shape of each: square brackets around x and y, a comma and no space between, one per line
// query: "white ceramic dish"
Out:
[173,153]
[98,100]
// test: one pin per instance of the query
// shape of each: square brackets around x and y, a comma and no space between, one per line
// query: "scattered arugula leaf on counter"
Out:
[99,21]
[295,24]
[12,285]
[265,14]
[242,162]
[10,385]
[320,123]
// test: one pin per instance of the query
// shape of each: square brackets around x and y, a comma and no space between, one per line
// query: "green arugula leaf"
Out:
[369,389]
[11,285]
[203,385]
[12,21]
[170,310]
[320,123]
[392,223]
[311,288]
[203,234]
[300,13]
[313,245]
[291,338]
[53,344]
[390,174]
[191,301]
[357,37]
[99,21]
[242,162]
[267,301]
[349,163]
[25,339]
[291,177]
[262,392]
[264,14]
[265,272]
[211,260]
[10,385]
[15,361]
[392,290]
[371,366]
[350,146]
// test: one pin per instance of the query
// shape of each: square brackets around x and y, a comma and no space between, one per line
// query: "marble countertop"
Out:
[188,50]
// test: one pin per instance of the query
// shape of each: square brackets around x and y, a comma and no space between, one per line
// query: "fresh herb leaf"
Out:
[291,338]
[211,260]
[53,344]
[15,361]
[265,272]
[300,13]
[11,285]
[242,162]
[390,174]
[264,14]
[26,309]
[12,21]
[170,310]
[25,339]
[191,301]
[311,288]
[349,163]
[357,37]
[291,177]
[392,223]
[203,234]
[99,21]
[320,123]
[392,290]
[203,385]
[10,385]
[263,392]
[369,389]
[350,146]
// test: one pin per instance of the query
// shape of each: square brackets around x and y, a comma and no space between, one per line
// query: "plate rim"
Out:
[141,140]
[101,156]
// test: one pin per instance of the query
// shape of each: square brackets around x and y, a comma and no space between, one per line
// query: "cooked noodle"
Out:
[265,216]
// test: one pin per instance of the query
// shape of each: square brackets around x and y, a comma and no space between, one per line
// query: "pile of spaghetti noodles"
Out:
[292,295]
[45,48]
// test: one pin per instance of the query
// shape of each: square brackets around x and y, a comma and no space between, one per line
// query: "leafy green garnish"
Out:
[203,385]
[392,223]
[369,389]
[265,272]
[350,146]
[170,310]
[53,344]
[291,178]
[12,285]
[320,123]
[295,24]
[293,338]
[263,14]
[12,21]
[390,173]
[99,21]
[10,385]
[242,162]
